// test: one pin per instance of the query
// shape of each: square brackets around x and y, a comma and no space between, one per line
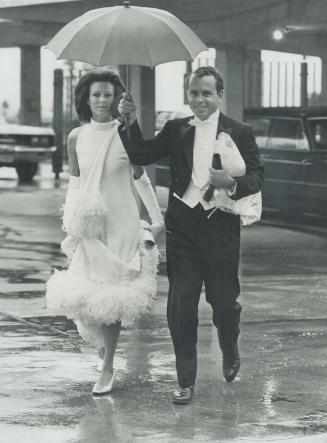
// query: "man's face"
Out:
[202,96]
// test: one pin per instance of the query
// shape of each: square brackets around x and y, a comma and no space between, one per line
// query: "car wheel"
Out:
[26,170]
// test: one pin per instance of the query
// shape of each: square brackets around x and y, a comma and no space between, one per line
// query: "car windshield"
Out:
[318,128]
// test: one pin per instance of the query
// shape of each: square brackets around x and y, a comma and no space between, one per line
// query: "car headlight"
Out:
[35,140]
[39,140]
[44,141]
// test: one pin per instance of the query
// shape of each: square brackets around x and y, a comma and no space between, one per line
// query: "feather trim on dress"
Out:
[89,217]
[94,304]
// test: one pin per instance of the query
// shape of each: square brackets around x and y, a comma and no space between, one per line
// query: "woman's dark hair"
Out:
[82,92]
[202,71]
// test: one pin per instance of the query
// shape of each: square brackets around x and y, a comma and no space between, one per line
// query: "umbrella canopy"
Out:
[126,35]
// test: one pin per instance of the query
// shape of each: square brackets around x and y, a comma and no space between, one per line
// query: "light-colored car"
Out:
[23,147]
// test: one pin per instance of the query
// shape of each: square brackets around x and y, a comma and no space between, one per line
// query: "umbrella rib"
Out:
[149,54]
[70,26]
[109,33]
[103,47]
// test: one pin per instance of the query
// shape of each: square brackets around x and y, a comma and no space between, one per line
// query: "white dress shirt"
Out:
[204,139]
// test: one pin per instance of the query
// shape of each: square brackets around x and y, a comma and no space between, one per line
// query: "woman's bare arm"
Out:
[72,156]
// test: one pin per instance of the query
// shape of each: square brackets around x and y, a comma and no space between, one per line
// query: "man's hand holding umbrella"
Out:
[127,107]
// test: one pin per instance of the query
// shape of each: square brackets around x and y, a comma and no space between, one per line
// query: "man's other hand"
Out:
[220,179]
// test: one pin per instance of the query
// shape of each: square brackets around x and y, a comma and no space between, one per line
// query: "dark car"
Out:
[293,148]
[23,147]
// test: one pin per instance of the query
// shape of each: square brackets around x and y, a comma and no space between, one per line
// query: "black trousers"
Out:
[201,250]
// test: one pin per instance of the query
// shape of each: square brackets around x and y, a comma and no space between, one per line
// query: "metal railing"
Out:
[282,84]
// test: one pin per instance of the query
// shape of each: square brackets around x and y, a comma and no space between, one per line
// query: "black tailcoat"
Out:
[176,141]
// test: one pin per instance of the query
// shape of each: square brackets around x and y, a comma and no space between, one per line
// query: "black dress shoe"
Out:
[182,396]
[230,370]
[231,366]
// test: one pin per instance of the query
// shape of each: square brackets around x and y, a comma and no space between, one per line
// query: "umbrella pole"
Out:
[128,132]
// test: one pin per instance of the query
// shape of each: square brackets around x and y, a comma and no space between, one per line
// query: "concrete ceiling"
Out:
[220,23]
[62,11]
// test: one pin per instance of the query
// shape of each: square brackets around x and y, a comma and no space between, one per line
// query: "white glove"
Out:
[69,244]
[70,202]
[146,192]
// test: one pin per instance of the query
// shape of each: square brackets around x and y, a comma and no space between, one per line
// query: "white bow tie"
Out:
[202,123]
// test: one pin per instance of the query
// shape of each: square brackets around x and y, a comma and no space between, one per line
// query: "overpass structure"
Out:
[237,29]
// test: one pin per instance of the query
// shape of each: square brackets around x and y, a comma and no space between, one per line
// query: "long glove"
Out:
[146,192]
[69,244]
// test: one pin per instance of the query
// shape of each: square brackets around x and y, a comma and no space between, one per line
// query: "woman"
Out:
[111,279]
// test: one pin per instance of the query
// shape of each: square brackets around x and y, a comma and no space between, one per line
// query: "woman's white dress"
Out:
[111,277]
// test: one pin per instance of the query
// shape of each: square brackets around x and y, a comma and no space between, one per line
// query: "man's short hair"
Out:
[202,71]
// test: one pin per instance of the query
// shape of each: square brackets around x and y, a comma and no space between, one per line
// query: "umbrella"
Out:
[126,35]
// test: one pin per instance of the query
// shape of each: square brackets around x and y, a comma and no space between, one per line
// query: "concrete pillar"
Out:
[142,86]
[230,62]
[141,83]
[30,98]
[252,79]
[322,101]
[58,124]
[304,84]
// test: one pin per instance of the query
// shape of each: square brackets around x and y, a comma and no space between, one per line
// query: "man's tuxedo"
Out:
[200,249]
[176,141]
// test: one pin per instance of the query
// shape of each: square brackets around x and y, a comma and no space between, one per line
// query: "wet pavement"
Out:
[47,371]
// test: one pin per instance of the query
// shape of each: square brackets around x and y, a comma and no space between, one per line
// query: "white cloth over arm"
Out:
[249,208]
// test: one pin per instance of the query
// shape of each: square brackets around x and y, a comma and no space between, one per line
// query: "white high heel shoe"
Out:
[98,389]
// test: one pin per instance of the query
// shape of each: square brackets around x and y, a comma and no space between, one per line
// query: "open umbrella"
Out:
[126,35]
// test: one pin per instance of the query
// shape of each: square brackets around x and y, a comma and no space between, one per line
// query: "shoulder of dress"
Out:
[74,133]
[72,139]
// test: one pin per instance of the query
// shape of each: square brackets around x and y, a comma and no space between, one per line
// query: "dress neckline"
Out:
[103,126]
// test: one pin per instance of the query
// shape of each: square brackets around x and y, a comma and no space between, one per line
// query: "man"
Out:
[202,246]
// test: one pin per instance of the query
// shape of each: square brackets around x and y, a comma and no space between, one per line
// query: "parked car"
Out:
[293,148]
[23,147]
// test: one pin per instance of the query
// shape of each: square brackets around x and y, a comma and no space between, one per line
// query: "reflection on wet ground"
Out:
[279,391]
[47,372]
[44,179]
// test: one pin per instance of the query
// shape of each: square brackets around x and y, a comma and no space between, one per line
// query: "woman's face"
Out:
[101,98]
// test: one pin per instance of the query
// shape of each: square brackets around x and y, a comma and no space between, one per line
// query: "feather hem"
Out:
[94,304]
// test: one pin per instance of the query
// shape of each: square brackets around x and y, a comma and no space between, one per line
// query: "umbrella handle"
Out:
[128,131]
